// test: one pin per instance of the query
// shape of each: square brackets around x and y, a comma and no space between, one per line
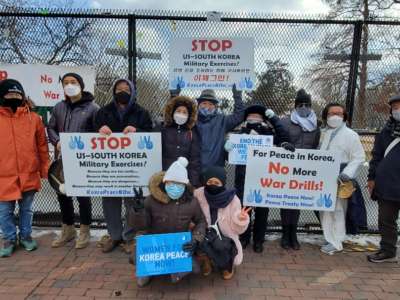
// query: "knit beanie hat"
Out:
[177,171]
[11,86]
[216,172]
[77,77]
[302,97]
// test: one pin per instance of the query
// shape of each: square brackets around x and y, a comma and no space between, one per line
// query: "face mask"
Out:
[175,190]
[72,90]
[334,121]
[122,97]
[253,121]
[12,103]
[214,189]
[303,112]
[207,112]
[180,119]
[396,114]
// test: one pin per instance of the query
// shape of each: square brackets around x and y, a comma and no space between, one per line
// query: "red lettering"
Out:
[276,168]
[226,44]
[113,143]
[125,142]
[293,184]
[212,45]
[45,79]
[3,75]
[266,182]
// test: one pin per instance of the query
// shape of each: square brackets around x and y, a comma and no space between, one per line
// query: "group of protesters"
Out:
[191,191]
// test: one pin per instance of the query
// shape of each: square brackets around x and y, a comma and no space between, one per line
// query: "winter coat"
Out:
[24,154]
[229,223]
[301,139]
[133,115]
[280,134]
[212,131]
[72,117]
[164,215]
[181,140]
[385,171]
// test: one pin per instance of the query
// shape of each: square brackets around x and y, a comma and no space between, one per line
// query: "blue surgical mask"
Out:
[206,112]
[303,111]
[174,190]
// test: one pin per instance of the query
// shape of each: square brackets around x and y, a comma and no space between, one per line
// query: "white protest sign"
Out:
[42,83]
[211,63]
[240,144]
[304,179]
[109,166]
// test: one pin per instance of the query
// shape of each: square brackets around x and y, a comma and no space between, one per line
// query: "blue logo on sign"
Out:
[325,200]
[75,142]
[178,81]
[254,196]
[145,143]
[246,83]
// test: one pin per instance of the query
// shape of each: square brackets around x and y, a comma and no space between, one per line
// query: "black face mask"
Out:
[254,126]
[214,189]
[12,103]
[122,98]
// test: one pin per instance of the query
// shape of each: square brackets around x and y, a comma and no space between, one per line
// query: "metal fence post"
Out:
[132,48]
[354,60]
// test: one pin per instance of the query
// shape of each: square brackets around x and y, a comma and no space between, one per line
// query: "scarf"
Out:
[394,127]
[308,124]
[218,201]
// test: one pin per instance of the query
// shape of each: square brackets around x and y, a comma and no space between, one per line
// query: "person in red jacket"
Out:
[24,160]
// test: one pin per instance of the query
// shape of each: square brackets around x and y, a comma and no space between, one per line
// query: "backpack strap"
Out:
[391,146]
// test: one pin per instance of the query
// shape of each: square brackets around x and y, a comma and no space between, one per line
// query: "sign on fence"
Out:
[42,83]
[159,254]
[305,179]
[240,144]
[109,166]
[211,63]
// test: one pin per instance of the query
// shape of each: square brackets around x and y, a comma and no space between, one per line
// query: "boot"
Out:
[227,275]
[205,264]
[84,237]
[68,233]
[285,240]
[294,243]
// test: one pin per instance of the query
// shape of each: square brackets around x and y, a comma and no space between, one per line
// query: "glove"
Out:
[235,92]
[228,146]
[138,200]
[190,247]
[269,113]
[344,177]
[176,92]
[288,146]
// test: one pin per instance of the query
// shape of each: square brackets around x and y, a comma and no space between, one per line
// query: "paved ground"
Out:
[277,274]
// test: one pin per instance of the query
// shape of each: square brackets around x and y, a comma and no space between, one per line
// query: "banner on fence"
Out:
[109,166]
[240,144]
[42,83]
[159,254]
[304,179]
[211,63]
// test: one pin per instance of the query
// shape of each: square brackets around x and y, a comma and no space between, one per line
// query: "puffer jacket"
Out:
[72,117]
[299,138]
[24,155]
[164,215]
[181,140]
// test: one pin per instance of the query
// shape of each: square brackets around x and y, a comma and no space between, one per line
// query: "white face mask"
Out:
[180,119]
[72,90]
[396,114]
[254,121]
[334,121]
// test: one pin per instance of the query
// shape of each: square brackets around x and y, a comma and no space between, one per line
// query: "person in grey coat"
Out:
[75,113]
[304,133]
[213,125]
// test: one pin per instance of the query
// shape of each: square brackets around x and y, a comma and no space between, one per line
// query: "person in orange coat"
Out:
[24,160]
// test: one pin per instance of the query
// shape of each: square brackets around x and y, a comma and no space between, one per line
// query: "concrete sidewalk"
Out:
[66,273]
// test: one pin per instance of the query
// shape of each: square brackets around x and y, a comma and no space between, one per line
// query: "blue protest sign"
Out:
[159,254]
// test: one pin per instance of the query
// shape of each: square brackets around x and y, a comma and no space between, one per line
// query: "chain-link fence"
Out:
[348,61]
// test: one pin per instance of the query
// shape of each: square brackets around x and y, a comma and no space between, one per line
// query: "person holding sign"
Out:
[213,126]
[304,133]
[180,136]
[74,114]
[24,160]
[259,121]
[171,207]
[384,183]
[222,208]
[337,137]
[122,114]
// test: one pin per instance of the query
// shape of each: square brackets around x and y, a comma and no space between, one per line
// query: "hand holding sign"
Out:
[105,130]
[244,213]
[129,129]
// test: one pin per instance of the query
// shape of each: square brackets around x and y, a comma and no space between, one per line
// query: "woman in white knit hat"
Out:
[171,207]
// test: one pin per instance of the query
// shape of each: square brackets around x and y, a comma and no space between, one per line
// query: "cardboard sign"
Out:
[212,63]
[109,166]
[304,179]
[159,254]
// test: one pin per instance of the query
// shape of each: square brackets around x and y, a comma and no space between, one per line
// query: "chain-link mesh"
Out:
[289,54]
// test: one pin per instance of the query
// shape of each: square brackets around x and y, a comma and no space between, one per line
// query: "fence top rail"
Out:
[185,16]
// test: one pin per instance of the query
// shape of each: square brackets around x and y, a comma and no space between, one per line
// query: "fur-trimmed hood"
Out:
[156,191]
[178,101]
